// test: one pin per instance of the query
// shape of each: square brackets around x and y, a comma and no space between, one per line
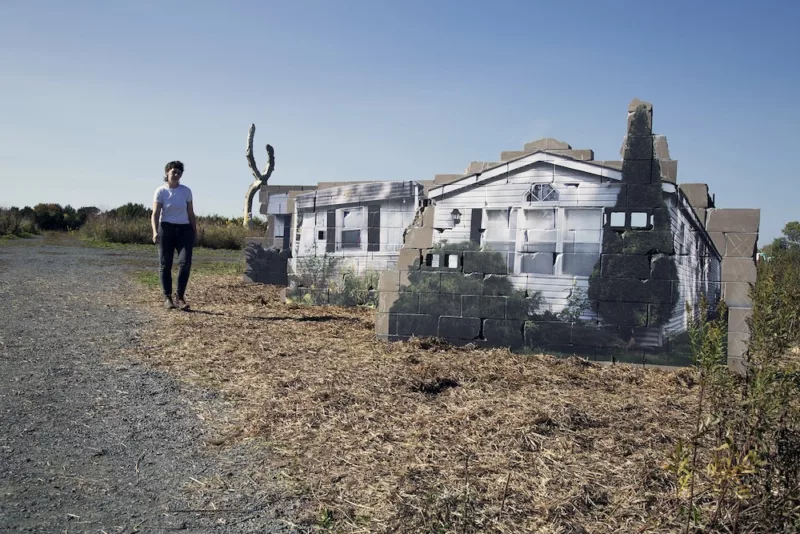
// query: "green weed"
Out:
[740,471]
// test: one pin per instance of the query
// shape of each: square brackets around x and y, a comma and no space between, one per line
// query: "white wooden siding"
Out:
[696,276]
[395,217]
[506,193]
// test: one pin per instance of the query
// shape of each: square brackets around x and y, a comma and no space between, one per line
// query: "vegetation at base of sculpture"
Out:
[586,335]
[740,471]
[357,290]
[261,178]
[577,304]
[315,272]
[466,284]
[319,281]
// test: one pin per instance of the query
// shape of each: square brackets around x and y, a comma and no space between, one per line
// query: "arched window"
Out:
[541,193]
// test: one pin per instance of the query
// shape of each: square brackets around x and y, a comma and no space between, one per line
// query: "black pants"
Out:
[174,237]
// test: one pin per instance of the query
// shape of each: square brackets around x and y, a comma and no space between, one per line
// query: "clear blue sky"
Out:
[95,97]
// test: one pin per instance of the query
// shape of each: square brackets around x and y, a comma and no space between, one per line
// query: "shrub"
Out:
[577,304]
[318,280]
[740,471]
[776,307]
[130,211]
[113,230]
[14,222]
[316,272]
[313,279]
[222,236]
[357,290]
[120,226]
[49,216]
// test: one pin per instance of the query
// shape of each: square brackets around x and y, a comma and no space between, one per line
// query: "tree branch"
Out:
[251,161]
[260,178]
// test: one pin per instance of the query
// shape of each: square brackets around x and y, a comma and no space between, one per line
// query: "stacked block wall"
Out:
[265,264]
[736,233]
[467,296]
[462,296]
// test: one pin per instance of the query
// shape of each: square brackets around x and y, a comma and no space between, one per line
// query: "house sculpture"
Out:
[546,249]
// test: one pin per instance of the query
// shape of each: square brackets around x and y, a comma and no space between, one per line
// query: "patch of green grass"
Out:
[96,243]
[11,239]
[197,252]
[218,267]
[147,278]
[21,235]
[150,278]
[325,519]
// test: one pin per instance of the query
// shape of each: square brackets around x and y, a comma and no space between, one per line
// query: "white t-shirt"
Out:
[173,202]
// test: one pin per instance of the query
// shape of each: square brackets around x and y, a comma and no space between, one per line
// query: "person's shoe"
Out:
[181,303]
[168,304]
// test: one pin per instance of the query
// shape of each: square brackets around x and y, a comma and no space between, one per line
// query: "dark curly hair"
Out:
[172,165]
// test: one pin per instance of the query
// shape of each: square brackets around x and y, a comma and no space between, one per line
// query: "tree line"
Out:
[52,216]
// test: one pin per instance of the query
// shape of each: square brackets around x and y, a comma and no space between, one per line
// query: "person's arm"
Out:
[192,218]
[154,220]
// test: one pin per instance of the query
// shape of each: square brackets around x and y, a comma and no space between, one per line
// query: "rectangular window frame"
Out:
[505,246]
[560,233]
[358,230]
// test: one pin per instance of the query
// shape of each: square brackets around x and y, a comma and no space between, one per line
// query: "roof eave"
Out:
[589,167]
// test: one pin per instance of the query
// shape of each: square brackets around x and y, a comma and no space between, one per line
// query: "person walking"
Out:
[174,229]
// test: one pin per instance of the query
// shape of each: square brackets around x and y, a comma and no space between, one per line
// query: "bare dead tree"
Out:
[260,178]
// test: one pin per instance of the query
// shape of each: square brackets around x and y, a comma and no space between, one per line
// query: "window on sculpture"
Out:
[538,263]
[583,230]
[538,230]
[541,193]
[616,219]
[581,239]
[639,220]
[501,227]
[497,225]
[352,225]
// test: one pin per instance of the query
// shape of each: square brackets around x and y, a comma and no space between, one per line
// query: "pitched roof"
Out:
[355,193]
[598,168]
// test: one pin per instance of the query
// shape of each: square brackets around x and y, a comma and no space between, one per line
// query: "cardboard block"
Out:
[740,245]
[418,325]
[733,220]
[499,333]
[739,270]
[737,320]
[737,294]
[483,307]
[459,327]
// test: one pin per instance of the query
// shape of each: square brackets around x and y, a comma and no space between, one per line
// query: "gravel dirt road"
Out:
[93,441]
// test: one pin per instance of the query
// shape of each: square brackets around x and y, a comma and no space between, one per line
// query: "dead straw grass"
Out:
[422,437]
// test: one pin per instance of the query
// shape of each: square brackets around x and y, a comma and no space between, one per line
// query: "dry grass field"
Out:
[423,437]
